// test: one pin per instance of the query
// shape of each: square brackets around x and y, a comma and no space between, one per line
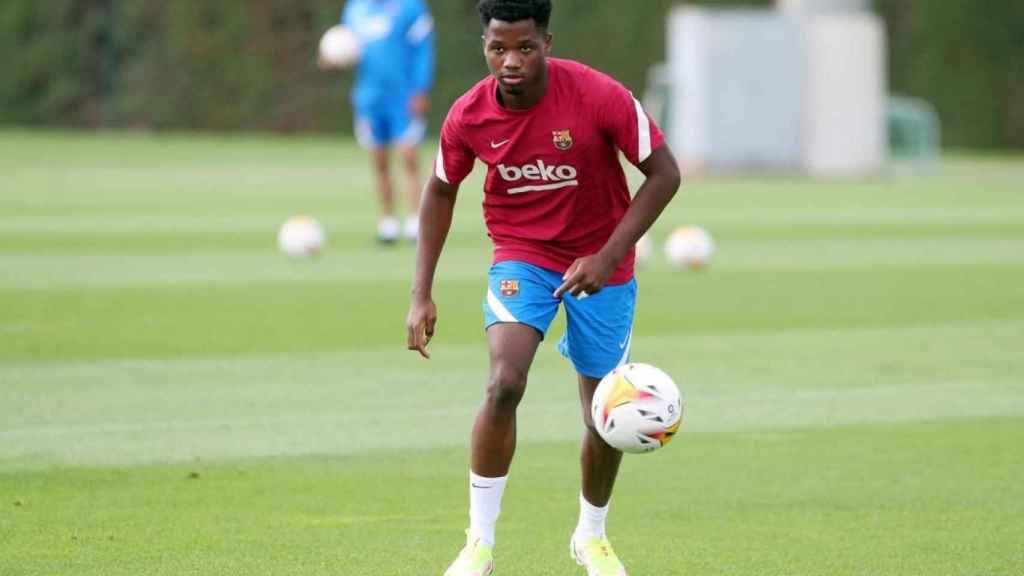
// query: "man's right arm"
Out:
[436,209]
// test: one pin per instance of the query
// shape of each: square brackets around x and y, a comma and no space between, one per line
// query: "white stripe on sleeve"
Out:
[643,128]
[420,29]
[439,165]
[498,308]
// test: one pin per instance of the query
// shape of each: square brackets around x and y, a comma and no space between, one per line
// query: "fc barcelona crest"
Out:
[562,139]
[509,287]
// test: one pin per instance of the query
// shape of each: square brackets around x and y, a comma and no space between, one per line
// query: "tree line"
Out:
[250,65]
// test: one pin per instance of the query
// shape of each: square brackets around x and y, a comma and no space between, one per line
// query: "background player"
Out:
[390,97]
[558,211]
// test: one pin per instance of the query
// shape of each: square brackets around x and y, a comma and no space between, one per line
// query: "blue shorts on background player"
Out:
[390,98]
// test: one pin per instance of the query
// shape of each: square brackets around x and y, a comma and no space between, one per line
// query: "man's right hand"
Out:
[324,65]
[420,324]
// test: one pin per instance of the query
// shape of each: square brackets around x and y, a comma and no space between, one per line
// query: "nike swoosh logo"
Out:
[622,345]
[500,144]
[481,487]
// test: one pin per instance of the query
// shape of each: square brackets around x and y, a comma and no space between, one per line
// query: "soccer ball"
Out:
[637,408]
[340,47]
[644,249]
[689,247]
[300,236]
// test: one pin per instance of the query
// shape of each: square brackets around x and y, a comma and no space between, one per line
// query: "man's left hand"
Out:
[586,276]
[419,104]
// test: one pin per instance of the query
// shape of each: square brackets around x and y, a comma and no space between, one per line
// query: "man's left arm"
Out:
[589,274]
[420,38]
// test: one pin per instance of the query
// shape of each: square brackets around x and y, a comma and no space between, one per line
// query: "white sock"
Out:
[412,226]
[484,506]
[388,227]
[591,524]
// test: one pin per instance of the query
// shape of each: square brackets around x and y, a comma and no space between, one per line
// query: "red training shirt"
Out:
[555,189]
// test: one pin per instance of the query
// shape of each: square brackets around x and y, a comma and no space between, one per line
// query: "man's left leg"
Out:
[598,338]
[599,465]
[599,462]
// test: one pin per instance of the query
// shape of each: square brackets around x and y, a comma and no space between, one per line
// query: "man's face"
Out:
[515,53]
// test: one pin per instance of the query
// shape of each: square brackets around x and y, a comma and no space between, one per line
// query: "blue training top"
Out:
[398,50]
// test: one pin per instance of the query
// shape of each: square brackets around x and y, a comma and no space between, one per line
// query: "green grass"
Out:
[178,398]
[901,499]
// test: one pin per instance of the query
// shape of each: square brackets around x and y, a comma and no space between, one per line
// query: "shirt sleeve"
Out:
[454,157]
[420,37]
[623,117]
[346,16]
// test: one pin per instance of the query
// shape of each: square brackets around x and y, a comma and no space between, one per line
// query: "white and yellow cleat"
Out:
[475,559]
[597,556]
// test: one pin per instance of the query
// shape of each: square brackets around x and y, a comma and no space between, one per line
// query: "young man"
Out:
[558,210]
[395,74]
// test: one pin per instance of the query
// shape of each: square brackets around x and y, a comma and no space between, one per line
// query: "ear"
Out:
[547,44]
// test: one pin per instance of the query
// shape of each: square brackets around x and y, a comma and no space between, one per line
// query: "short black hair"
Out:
[514,11]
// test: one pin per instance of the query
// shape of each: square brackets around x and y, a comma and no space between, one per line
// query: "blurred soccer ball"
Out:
[300,236]
[644,250]
[340,47]
[637,408]
[689,247]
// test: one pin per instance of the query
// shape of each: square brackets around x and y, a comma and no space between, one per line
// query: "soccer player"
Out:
[559,213]
[390,97]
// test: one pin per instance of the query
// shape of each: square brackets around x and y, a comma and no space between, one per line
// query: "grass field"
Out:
[178,398]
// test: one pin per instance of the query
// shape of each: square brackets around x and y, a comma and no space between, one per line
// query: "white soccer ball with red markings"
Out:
[340,47]
[301,236]
[689,248]
[644,250]
[637,408]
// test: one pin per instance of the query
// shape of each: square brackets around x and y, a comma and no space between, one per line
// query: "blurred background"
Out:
[250,66]
[836,289]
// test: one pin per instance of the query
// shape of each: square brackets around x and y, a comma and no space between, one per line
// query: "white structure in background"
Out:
[844,130]
[737,84]
[825,5]
[792,88]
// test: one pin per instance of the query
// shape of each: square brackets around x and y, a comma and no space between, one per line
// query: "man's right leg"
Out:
[409,131]
[371,132]
[512,348]
[410,164]
[388,227]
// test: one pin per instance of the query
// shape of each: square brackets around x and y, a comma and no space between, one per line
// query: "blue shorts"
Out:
[599,328]
[388,125]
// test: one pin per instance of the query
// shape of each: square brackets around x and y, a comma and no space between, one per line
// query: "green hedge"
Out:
[201,65]
[967,58]
[211,65]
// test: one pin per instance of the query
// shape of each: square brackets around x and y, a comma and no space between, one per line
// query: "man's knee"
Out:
[506,386]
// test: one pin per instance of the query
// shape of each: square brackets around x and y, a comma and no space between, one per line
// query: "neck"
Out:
[525,98]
